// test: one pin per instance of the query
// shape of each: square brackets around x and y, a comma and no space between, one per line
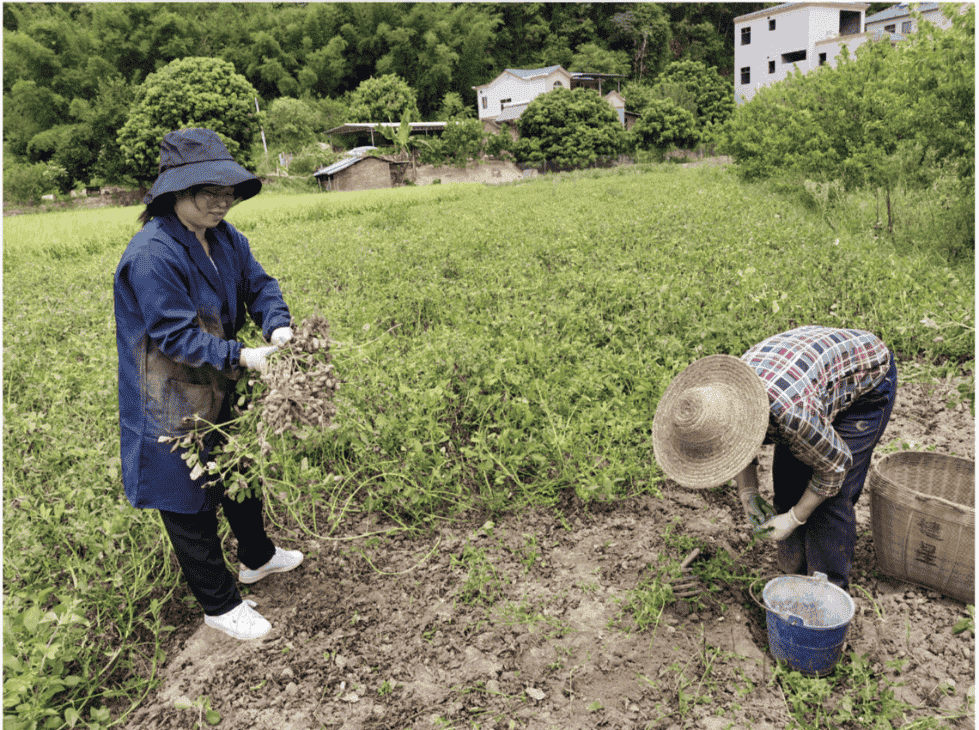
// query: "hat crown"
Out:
[702,414]
[191,146]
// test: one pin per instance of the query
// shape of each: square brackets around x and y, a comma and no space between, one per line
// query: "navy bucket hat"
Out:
[197,156]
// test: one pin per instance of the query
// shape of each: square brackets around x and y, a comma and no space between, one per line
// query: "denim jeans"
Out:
[825,543]
[195,541]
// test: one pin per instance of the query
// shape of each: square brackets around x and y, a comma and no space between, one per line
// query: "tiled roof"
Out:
[785,6]
[337,166]
[511,113]
[529,73]
[899,11]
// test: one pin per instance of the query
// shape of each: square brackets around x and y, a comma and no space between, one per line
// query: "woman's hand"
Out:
[757,509]
[779,527]
[281,336]
[256,358]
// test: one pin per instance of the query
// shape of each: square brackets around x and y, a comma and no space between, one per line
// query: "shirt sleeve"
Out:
[262,295]
[170,315]
[812,440]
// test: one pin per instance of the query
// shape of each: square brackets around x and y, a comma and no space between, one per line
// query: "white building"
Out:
[898,20]
[516,87]
[504,98]
[769,43]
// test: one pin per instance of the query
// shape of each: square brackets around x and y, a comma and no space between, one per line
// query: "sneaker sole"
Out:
[255,579]
[240,637]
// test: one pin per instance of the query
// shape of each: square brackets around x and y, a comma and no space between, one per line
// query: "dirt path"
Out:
[522,624]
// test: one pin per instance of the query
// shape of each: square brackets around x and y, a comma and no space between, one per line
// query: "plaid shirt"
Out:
[812,374]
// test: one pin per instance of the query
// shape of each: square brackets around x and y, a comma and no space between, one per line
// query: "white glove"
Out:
[779,527]
[281,336]
[256,358]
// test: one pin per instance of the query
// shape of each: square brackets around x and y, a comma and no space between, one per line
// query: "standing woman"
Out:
[181,292]
[823,396]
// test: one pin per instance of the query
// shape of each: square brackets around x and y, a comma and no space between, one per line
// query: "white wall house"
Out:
[516,87]
[769,43]
[504,98]
[898,20]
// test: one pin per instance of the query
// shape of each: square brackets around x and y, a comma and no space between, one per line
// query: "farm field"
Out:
[484,528]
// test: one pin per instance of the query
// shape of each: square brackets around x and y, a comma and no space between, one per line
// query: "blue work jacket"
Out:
[177,315]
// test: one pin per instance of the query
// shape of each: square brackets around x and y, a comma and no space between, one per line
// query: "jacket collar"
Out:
[174,228]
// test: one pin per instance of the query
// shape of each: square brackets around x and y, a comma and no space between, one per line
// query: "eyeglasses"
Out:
[211,197]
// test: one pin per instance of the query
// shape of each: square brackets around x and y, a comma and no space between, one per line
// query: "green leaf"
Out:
[31,619]
[213,717]
[72,716]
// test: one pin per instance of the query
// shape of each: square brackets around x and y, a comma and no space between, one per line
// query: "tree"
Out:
[573,128]
[29,110]
[646,26]
[454,109]
[385,99]
[664,124]
[190,92]
[291,123]
[714,96]
[592,57]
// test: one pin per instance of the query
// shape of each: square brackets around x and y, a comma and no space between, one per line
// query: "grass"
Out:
[497,346]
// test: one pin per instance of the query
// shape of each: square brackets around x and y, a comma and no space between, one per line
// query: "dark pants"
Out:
[825,543]
[195,540]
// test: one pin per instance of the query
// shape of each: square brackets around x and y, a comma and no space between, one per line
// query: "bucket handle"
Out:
[790,618]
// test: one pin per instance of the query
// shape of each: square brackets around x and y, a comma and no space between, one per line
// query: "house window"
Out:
[558,85]
[906,26]
[746,75]
[746,36]
[822,59]
[484,102]
[890,28]
[794,56]
[771,67]
[504,102]
[771,23]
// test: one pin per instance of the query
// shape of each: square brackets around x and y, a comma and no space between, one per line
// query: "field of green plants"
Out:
[497,347]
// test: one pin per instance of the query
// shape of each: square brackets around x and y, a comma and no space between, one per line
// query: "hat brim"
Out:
[213,172]
[725,460]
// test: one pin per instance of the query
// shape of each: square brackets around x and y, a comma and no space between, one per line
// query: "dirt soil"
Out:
[522,624]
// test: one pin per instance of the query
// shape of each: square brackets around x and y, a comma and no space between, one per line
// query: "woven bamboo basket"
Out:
[923,519]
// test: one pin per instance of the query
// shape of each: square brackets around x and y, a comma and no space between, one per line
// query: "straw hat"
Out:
[710,422]
[197,156]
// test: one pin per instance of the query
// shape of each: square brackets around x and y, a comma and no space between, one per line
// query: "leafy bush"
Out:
[664,124]
[499,145]
[385,99]
[291,123]
[890,119]
[462,141]
[431,151]
[679,94]
[189,92]
[572,128]
[310,159]
[27,183]
[712,94]
[454,108]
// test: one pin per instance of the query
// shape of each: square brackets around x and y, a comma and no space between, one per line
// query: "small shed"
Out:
[362,173]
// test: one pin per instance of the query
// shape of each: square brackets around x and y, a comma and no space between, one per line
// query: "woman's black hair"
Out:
[160,205]
[163,203]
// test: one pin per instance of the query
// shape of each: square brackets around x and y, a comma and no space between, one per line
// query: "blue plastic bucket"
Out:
[807,621]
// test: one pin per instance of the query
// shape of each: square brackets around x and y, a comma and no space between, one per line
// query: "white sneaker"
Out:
[241,622]
[283,561]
